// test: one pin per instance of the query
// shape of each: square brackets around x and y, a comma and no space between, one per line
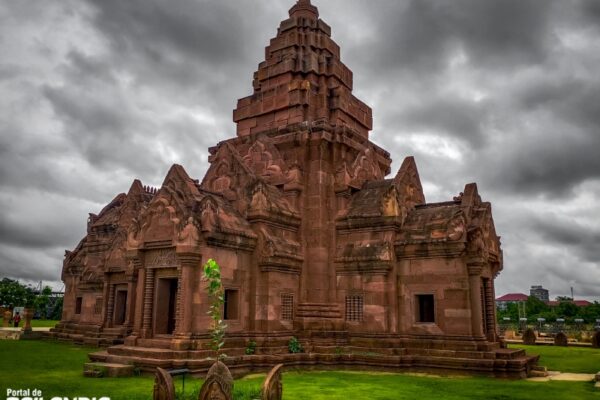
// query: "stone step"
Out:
[155,343]
[509,354]
[109,370]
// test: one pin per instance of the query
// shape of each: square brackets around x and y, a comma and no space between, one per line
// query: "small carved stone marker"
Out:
[561,339]
[272,389]
[163,386]
[529,336]
[218,384]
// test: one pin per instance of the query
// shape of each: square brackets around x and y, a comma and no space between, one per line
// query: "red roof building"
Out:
[578,303]
[513,297]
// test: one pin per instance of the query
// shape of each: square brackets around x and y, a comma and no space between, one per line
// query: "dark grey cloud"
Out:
[506,93]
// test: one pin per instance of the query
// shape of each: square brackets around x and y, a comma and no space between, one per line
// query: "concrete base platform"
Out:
[107,370]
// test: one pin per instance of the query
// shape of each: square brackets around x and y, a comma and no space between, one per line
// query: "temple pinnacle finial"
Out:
[303,8]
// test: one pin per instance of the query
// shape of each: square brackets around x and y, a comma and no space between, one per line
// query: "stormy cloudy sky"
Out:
[95,93]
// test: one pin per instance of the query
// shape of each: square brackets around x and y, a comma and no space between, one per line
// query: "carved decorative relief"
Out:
[190,234]
[264,159]
[163,386]
[218,384]
[365,167]
[272,388]
[476,244]
[208,214]
[161,258]
[390,206]
[456,228]
[259,200]
[133,233]
[160,221]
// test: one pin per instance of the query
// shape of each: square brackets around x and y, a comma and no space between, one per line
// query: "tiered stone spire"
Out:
[302,80]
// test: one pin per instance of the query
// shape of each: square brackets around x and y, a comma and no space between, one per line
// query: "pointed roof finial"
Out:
[303,8]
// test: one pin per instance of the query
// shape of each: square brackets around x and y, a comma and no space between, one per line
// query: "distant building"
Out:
[539,292]
[503,302]
[578,303]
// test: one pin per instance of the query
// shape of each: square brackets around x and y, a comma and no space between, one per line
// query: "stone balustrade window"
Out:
[98,305]
[354,308]
[287,307]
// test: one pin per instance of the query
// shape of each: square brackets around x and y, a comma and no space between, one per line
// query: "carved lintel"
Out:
[188,257]
[475,266]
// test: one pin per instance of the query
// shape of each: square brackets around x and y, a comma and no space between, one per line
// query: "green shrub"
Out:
[251,347]
[294,346]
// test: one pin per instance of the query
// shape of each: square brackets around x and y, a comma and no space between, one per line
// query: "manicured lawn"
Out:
[56,369]
[42,323]
[566,359]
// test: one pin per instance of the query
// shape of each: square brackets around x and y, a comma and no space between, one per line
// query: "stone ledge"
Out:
[104,370]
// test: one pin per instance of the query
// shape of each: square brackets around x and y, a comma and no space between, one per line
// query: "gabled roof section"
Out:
[437,222]
[408,183]
[368,201]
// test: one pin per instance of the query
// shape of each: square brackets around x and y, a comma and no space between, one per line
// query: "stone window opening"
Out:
[98,306]
[287,307]
[425,308]
[231,305]
[78,304]
[354,308]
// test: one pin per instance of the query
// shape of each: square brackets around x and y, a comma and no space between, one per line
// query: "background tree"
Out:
[15,294]
[42,300]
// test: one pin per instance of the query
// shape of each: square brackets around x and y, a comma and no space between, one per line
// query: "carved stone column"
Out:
[110,305]
[135,264]
[490,310]
[189,259]
[475,266]
[148,299]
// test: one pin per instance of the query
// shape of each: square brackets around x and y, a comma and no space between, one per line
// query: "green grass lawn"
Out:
[56,369]
[42,323]
[565,359]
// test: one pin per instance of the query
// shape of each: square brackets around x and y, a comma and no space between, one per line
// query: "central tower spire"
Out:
[303,8]
[302,80]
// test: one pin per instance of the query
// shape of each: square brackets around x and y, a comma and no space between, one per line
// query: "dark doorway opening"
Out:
[120,307]
[426,308]
[165,306]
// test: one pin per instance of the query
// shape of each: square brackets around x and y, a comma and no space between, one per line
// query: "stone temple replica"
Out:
[313,241]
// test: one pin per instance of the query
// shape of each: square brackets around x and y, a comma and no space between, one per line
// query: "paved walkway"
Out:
[42,329]
[563,376]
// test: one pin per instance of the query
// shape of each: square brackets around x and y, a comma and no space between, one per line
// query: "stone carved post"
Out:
[164,389]
[27,315]
[188,262]
[189,257]
[218,384]
[133,267]
[272,388]
[474,268]
[148,299]
[110,307]
[6,318]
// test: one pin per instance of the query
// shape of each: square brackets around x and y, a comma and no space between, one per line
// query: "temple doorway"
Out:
[165,305]
[120,307]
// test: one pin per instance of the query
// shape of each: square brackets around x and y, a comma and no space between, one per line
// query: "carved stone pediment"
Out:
[160,222]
